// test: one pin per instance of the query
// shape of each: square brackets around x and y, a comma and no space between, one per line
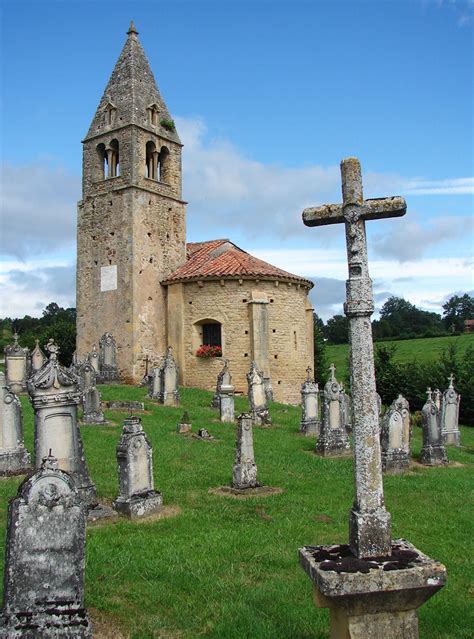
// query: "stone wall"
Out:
[229,302]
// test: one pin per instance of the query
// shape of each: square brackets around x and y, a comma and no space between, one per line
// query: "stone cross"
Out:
[369,526]
[332,368]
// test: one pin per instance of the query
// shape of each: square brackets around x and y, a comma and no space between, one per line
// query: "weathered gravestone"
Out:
[333,439]
[433,452]
[437,398]
[309,424]
[108,358]
[45,559]
[38,358]
[226,403]
[87,374]
[450,415]
[93,357]
[169,376]
[395,436]
[392,579]
[244,473]
[14,458]
[92,407]
[55,395]
[257,397]
[137,497]
[347,410]
[223,378]
[16,366]
[154,382]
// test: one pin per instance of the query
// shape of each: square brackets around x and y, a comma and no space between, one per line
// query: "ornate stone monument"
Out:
[450,415]
[14,458]
[87,374]
[395,437]
[257,397]
[16,366]
[333,439]
[137,497]
[393,578]
[45,559]
[226,403]
[169,376]
[224,378]
[38,358]
[433,452]
[55,396]
[244,473]
[108,358]
[309,424]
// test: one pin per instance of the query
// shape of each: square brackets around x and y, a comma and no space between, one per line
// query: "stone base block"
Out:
[433,455]
[310,427]
[169,399]
[333,442]
[395,461]
[370,533]
[451,437]
[139,506]
[93,418]
[15,462]
[99,513]
[374,598]
[261,418]
[183,428]
[58,623]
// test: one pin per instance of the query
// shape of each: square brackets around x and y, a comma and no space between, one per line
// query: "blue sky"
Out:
[268,97]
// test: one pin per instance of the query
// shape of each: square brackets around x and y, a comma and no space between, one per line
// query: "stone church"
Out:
[138,279]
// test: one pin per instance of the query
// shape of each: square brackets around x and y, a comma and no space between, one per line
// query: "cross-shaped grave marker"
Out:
[369,522]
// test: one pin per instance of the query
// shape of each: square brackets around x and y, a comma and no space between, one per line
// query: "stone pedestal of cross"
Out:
[377,603]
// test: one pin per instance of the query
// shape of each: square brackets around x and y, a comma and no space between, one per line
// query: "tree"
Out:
[457,309]
[405,318]
[320,358]
[337,329]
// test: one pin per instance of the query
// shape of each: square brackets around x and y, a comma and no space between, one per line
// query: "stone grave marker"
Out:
[433,452]
[45,559]
[138,497]
[14,458]
[223,378]
[244,473]
[93,357]
[92,407]
[55,395]
[226,403]
[108,358]
[257,397]
[16,366]
[333,439]
[392,579]
[169,376]
[154,390]
[395,437]
[309,424]
[38,358]
[437,398]
[87,374]
[450,415]
[184,425]
[347,410]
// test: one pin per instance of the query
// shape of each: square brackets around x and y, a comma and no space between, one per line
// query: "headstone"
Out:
[333,439]
[372,602]
[395,437]
[309,406]
[92,408]
[257,397]
[226,403]
[45,559]
[108,358]
[154,390]
[55,395]
[433,452]
[223,378]
[244,474]
[169,376]
[87,374]
[38,358]
[146,377]
[16,366]
[93,357]
[14,458]
[450,415]
[347,410]
[437,398]
[130,405]
[138,497]
[184,425]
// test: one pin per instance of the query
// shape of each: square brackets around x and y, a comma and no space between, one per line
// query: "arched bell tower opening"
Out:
[131,219]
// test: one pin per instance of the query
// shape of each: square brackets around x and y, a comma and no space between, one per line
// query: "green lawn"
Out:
[422,350]
[225,568]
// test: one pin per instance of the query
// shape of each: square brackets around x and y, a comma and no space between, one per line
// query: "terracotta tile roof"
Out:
[220,259]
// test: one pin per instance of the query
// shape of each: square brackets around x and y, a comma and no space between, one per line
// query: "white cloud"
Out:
[456,186]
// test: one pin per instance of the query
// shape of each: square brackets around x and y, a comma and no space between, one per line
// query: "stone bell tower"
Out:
[131,229]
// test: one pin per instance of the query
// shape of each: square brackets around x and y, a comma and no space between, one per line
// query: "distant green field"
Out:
[421,350]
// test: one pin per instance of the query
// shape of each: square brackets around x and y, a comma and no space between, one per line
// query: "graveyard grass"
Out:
[422,350]
[224,567]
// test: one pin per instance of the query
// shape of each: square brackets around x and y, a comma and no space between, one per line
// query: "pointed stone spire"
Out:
[130,93]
